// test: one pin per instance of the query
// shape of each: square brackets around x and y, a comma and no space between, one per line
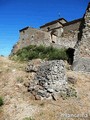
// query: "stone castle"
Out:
[73,35]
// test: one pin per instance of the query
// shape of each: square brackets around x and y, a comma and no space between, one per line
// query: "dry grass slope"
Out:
[18,104]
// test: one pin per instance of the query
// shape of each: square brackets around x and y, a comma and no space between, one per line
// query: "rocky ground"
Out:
[19,105]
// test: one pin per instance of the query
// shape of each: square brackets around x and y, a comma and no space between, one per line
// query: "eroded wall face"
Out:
[16,47]
[82,50]
[83,47]
[50,27]
[66,36]
[72,29]
[32,36]
[35,37]
[61,37]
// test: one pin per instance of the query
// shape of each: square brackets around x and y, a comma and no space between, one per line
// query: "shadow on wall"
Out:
[82,26]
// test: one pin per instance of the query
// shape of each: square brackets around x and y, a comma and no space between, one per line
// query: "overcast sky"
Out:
[17,14]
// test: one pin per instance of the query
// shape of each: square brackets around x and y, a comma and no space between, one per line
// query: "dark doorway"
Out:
[70,53]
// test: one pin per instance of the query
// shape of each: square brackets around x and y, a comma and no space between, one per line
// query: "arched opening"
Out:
[70,53]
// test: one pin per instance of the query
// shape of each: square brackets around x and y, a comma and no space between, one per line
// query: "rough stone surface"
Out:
[31,68]
[83,47]
[72,80]
[33,65]
[82,50]
[50,80]
[83,64]
[59,35]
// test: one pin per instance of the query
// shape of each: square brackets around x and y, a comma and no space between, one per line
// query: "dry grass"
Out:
[18,104]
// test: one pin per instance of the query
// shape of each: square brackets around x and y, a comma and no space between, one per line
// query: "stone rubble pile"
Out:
[49,81]
[33,65]
[31,68]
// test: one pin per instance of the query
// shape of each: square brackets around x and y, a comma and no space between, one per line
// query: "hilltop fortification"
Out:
[58,33]
[82,48]
[73,35]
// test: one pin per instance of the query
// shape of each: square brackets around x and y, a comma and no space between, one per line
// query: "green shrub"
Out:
[70,92]
[58,54]
[28,118]
[1,101]
[40,48]
[33,55]
[42,52]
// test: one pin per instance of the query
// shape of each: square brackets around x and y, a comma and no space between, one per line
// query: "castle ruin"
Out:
[73,35]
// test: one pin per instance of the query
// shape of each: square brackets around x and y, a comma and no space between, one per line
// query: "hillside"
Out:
[19,105]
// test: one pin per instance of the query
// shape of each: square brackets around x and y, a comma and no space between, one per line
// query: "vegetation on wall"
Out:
[42,52]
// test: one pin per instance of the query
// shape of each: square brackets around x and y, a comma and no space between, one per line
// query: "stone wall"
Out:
[16,47]
[49,81]
[83,46]
[74,34]
[71,29]
[82,49]
[51,26]
[68,42]
[82,64]
[66,35]
[31,36]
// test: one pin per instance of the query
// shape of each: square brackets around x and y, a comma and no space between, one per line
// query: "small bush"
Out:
[20,79]
[70,92]
[58,54]
[40,48]
[42,52]
[1,101]
[28,118]
[33,55]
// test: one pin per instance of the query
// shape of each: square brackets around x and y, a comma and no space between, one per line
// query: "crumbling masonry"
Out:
[74,35]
